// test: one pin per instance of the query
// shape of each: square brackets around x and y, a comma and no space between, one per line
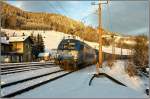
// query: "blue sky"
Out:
[126,17]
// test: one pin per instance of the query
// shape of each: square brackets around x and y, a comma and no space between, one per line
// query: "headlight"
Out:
[74,54]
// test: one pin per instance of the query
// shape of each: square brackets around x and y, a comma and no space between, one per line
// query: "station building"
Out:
[16,49]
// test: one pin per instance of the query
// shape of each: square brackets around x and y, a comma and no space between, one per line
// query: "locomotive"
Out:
[73,54]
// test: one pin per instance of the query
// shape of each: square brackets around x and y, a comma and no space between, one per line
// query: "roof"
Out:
[18,38]
[3,40]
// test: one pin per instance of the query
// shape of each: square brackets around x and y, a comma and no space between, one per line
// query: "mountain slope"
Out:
[15,18]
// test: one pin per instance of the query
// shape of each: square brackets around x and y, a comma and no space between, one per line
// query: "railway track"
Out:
[21,67]
[17,87]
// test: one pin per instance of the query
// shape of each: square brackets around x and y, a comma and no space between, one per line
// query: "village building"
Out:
[5,49]
[21,49]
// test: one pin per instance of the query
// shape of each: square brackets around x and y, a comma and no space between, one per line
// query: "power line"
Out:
[62,8]
[54,8]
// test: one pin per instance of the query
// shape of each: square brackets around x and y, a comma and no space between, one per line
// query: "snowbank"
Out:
[118,72]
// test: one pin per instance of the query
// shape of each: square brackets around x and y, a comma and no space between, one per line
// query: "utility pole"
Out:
[100,30]
[100,58]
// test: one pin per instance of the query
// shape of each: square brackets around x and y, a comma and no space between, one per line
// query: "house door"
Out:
[20,58]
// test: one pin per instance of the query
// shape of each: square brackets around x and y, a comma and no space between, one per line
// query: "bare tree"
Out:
[140,57]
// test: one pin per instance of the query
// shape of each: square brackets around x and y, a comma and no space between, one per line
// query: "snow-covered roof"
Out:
[44,54]
[4,40]
[18,38]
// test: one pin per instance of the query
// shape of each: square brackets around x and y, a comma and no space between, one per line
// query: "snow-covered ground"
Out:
[76,85]
[9,78]
[14,88]
[53,38]
[118,72]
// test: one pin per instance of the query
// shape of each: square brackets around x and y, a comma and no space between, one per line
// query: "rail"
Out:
[25,63]
[8,68]
[31,83]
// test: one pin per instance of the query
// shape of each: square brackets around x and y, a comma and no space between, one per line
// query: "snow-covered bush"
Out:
[110,61]
[130,69]
[140,58]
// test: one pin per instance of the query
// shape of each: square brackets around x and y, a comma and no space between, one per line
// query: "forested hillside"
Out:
[15,18]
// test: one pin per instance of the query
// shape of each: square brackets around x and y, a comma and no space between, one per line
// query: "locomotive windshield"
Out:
[69,45]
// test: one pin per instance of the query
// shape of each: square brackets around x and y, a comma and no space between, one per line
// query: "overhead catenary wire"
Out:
[53,7]
[108,17]
[63,9]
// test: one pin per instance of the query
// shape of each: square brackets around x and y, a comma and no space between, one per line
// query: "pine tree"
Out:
[40,43]
[34,47]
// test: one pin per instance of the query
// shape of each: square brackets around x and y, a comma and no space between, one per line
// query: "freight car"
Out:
[73,54]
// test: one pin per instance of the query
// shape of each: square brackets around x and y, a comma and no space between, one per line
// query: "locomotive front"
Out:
[68,53]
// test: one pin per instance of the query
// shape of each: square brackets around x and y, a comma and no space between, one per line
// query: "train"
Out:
[73,54]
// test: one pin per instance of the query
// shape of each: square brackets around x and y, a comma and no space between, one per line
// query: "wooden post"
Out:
[100,30]
[99,64]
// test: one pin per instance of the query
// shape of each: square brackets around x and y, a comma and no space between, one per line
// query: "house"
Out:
[5,49]
[21,48]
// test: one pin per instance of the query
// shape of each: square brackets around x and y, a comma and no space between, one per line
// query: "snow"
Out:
[75,85]
[130,42]
[22,69]
[27,74]
[18,38]
[118,72]
[24,63]
[20,86]
[53,38]
[4,40]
